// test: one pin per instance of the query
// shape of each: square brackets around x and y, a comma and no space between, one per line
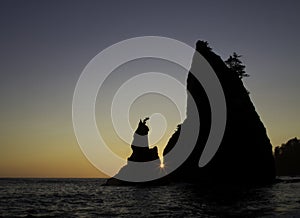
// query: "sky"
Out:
[45,45]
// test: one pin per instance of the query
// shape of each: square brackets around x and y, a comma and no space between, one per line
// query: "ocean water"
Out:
[87,198]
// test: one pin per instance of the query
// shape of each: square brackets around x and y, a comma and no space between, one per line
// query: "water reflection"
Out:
[86,197]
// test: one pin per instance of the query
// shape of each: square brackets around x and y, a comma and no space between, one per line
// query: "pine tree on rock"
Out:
[235,64]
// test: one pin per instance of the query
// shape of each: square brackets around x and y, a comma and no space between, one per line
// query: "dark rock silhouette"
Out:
[287,158]
[140,153]
[140,148]
[172,141]
[245,154]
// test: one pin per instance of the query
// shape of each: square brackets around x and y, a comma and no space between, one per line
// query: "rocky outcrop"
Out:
[140,147]
[245,153]
[140,153]
[287,159]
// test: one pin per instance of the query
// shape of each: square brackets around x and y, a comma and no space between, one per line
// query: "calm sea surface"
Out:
[87,198]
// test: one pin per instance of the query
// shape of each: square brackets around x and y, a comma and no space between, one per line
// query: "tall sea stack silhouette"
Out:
[245,153]
[141,152]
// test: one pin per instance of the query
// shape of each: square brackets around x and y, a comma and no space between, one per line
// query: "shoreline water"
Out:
[31,197]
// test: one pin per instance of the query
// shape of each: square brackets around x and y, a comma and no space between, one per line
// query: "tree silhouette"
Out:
[235,64]
[203,45]
[287,158]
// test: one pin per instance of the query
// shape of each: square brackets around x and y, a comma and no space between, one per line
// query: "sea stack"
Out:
[141,152]
[245,154]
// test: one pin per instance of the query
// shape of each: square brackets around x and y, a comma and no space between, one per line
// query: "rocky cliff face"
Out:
[140,153]
[287,160]
[245,154]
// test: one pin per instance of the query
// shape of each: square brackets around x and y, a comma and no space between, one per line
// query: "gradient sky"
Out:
[45,45]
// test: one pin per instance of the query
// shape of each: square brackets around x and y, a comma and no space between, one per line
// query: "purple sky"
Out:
[44,46]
